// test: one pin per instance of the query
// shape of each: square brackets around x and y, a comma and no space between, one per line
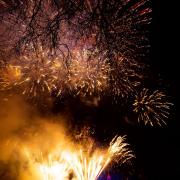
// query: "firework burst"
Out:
[36,73]
[89,166]
[9,77]
[151,108]
[46,166]
[40,73]
[88,74]
[124,77]
[52,168]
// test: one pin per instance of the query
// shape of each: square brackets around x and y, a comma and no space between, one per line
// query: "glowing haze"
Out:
[42,149]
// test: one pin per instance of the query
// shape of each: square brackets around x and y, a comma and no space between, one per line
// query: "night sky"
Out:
[159,148]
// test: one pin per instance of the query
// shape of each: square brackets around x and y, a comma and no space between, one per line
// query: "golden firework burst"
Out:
[151,108]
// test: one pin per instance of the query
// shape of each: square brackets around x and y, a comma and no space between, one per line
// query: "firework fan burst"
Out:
[88,165]
[152,108]
[119,150]
[88,73]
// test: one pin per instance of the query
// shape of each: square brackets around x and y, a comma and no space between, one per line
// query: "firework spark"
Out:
[88,76]
[151,108]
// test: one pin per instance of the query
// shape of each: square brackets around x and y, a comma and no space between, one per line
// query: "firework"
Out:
[89,166]
[10,75]
[35,73]
[119,151]
[40,73]
[85,168]
[88,76]
[151,108]
[124,77]
[53,169]
[46,166]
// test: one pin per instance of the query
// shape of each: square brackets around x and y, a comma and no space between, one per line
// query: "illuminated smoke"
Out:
[45,152]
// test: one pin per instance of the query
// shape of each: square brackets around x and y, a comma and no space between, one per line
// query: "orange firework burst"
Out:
[151,108]
[40,73]
[9,76]
[48,166]
[124,77]
[88,73]
[36,72]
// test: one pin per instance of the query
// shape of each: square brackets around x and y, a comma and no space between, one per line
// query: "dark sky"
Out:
[159,149]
